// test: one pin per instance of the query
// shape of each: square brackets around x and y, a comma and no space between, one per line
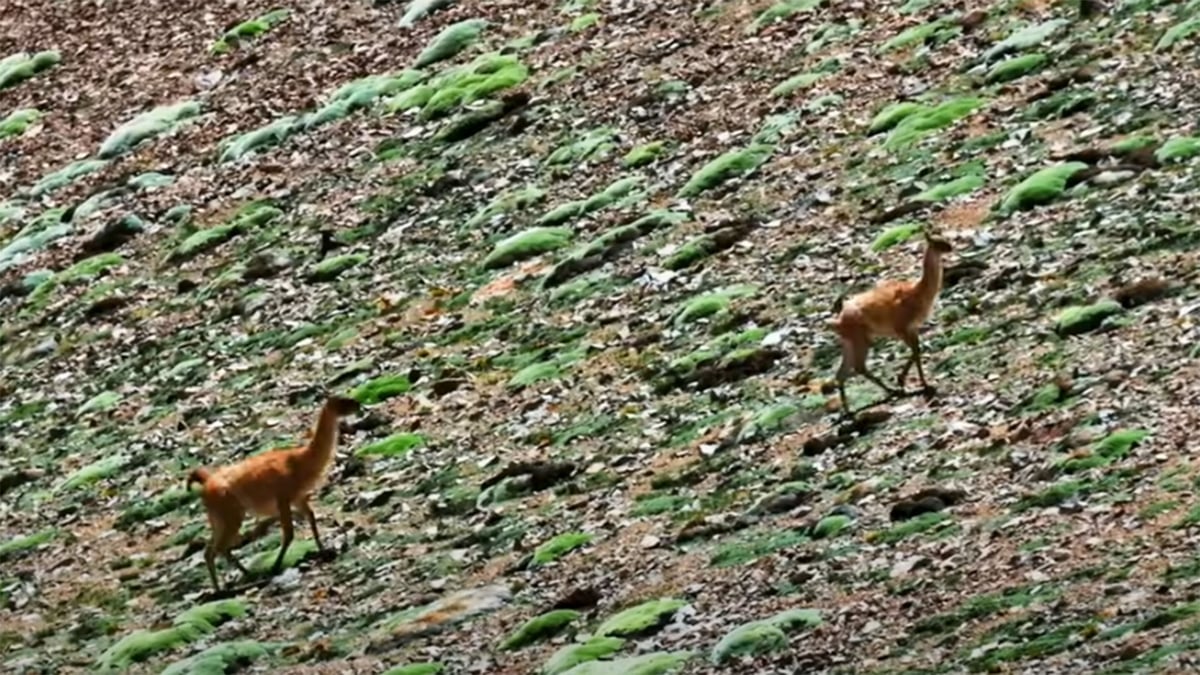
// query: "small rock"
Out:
[650,541]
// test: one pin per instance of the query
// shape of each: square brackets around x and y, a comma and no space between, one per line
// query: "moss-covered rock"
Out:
[146,126]
[619,190]
[506,203]
[559,546]
[147,509]
[1178,33]
[1015,67]
[952,188]
[717,301]
[1026,38]
[242,145]
[188,627]
[915,125]
[892,114]
[527,244]
[24,543]
[655,663]
[895,235]
[93,472]
[417,10]
[248,30]
[452,40]
[539,628]
[253,215]
[16,122]
[102,402]
[16,68]
[730,165]
[416,668]
[830,526]
[1178,149]
[1085,318]
[641,155]
[396,445]
[1043,187]
[220,658]
[592,145]
[933,32]
[58,179]
[328,270]
[572,655]
[763,636]
[797,82]
[640,619]
[780,11]
[381,388]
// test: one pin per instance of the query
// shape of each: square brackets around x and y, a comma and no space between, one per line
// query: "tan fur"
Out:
[270,484]
[892,309]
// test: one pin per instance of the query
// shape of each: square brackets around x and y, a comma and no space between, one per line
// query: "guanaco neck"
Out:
[324,437]
[931,276]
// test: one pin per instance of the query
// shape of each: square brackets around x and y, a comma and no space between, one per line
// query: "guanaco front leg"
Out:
[285,525]
[913,340]
[306,509]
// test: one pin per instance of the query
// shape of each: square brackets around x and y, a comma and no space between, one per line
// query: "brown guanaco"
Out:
[270,484]
[892,309]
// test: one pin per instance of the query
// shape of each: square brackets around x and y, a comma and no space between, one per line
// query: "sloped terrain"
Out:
[578,261]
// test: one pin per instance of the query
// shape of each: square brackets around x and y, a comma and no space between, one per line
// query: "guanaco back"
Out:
[270,484]
[892,309]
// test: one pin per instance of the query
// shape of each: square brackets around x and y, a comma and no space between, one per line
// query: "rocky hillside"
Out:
[578,260]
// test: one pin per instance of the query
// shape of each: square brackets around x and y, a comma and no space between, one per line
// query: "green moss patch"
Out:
[1016,67]
[416,668]
[605,247]
[248,30]
[895,235]
[716,302]
[332,268]
[655,663]
[1178,149]
[934,32]
[763,636]
[830,526]
[780,11]
[396,445]
[16,122]
[1113,448]
[381,388]
[146,509]
[527,244]
[251,216]
[146,126]
[272,134]
[754,546]
[1086,318]
[188,627]
[637,157]
[619,190]
[913,125]
[982,607]
[359,94]
[732,164]
[1178,33]
[417,10]
[16,68]
[570,656]
[952,188]
[559,546]
[102,402]
[1043,187]
[797,82]
[595,144]
[641,619]
[93,472]
[24,543]
[539,628]
[1026,38]
[221,658]
[892,114]
[452,40]
[507,203]
[60,178]
[925,522]
[300,548]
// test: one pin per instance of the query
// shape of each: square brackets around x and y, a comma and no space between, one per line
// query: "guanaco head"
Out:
[937,244]
[342,406]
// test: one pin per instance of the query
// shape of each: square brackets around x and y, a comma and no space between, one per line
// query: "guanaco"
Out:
[892,309]
[270,484]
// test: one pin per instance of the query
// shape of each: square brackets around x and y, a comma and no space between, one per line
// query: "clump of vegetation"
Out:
[763,636]
[934,32]
[93,472]
[220,658]
[922,523]
[640,619]
[527,244]
[144,510]
[644,154]
[20,544]
[539,628]
[781,10]
[1015,67]
[1086,318]
[1043,187]
[570,656]
[962,185]
[559,546]
[17,121]
[274,133]
[332,268]
[619,190]
[63,177]
[16,68]
[593,145]
[396,445]
[755,546]
[1114,447]
[253,215]
[1178,149]
[895,235]
[248,30]
[381,389]
[188,627]
[1025,38]
[708,304]
[506,203]
[419,9]
[1178,33]
[913,124]
[452,40]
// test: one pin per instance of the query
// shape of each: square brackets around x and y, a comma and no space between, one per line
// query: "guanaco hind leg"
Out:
[306,510]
